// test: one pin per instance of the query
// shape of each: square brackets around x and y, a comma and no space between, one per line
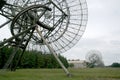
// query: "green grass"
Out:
[58,74]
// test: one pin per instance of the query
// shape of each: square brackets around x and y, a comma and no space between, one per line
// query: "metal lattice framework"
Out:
[69,19]
[60,24]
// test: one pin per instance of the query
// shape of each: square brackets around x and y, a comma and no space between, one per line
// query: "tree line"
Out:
[115,64]
[31,59]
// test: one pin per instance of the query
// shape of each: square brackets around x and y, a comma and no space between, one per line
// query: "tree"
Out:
[115,64]
[30,59]
[71,65]
[64,61]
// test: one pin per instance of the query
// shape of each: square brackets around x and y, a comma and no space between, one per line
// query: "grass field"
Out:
[58,74]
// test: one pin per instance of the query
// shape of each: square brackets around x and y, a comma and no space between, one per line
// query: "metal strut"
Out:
[53,52]
[18,45]
[23,49]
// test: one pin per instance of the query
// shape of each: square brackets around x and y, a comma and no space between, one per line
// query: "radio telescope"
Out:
[44,25]
[94,58]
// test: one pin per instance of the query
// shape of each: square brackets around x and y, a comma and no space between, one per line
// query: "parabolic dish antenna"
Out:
[44,25]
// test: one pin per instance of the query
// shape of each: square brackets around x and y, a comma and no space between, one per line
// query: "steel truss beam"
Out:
[54,53]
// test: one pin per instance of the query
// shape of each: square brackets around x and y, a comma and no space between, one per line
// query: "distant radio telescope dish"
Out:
[94,58]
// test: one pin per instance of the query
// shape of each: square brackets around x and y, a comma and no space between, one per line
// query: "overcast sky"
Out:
[102,32]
